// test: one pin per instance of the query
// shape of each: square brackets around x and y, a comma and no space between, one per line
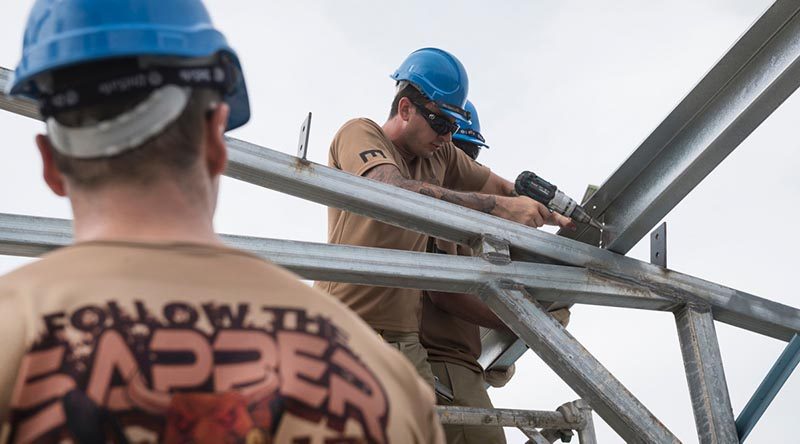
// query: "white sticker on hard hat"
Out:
[124,132]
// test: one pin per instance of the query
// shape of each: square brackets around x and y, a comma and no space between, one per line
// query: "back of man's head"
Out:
[169,153]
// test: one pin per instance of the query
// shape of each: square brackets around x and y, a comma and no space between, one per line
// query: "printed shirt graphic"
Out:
[133,343]
[359,146]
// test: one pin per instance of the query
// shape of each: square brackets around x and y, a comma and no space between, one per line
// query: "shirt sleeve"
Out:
[360,146]
[463,173]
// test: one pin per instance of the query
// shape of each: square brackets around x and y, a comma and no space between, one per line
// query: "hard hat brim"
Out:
[459,118]
[470,140]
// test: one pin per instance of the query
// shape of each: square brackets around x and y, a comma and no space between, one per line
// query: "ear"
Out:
[216,151]
[404,108]
[53,177]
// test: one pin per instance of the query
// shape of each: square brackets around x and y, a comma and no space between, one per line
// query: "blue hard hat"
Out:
[440,76]
[64,33]
[471,132]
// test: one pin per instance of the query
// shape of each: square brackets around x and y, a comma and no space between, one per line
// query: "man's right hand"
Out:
[522,209]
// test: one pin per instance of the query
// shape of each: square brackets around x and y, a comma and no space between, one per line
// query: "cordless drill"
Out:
[547,194]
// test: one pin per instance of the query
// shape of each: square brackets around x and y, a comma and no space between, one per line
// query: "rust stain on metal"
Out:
[302,164]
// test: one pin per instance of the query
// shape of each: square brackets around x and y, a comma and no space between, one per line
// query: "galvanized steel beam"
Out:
[756,75]
[575,365]
[32,236]
[285,173]
[705,374]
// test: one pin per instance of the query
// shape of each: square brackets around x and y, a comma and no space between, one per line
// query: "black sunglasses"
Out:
[438,124]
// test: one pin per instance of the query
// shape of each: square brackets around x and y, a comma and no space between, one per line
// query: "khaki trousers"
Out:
[411,348]
[469,390]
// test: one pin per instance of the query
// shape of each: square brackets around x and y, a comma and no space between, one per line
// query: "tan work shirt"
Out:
[448,338]
[190,343]
[359,146]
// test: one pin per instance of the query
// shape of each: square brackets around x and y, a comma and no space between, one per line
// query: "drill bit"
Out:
[580,215]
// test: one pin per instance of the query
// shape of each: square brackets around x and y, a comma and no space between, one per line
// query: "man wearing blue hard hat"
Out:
[413,150]
[449,329]
[148,328]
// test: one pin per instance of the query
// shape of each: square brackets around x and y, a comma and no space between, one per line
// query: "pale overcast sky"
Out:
[564,88]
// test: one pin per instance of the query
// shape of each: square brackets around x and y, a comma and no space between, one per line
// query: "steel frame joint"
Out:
[494,249]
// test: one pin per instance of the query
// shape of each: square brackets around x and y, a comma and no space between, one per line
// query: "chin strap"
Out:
[124,132]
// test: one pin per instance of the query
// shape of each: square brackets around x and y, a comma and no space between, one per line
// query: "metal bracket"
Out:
[658,246]
[302,143]
[494,249]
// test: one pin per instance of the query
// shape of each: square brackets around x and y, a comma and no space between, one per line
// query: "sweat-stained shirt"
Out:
[183,343]
[448,338]
[359,146]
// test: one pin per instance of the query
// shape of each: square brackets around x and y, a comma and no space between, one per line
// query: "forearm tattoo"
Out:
[386,174]
[391,175]
[480,202]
